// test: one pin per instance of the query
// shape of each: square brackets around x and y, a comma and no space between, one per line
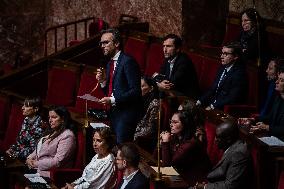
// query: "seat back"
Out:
[62,85]
[137,48]
[14,126]
[4,114]
[87,83]
[80,151]
[213,152]
[155,58]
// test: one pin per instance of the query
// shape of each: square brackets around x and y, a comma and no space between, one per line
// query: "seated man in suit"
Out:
[229,86]
[179,75]
[234,170]
[127,160]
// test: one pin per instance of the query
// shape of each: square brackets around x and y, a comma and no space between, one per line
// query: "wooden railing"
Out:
[65,27]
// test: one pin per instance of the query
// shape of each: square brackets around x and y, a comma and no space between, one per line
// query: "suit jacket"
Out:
[139,181]
[275,118]
[183,76]
[232,89]
[128,97]
[234,170]
[56,153]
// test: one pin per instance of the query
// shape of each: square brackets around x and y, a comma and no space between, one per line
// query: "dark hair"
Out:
[230,130]
[236,47]
[107,135]
[280,66]
[34,102]
[188,123]
[252,15]
[116,35]
[150,81]
[130,153]
[64,114]
[177,39]
[195,111]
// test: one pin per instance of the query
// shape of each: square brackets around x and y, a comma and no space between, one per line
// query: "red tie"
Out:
[111,68]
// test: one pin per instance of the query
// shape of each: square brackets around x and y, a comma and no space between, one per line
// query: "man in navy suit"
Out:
[235,169]
[230,85]
[121,85]
[180,77]
[127,161]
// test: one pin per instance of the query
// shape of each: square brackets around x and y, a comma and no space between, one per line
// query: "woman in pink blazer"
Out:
[56,148]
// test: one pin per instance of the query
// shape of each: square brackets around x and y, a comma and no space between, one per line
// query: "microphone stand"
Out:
[158,178]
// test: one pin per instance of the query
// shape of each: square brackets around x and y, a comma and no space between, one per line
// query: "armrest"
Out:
[240,110]
[63,175]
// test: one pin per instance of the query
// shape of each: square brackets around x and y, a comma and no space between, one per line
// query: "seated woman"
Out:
[147,127]
[56,148]
[30,132]
[100,173]
[183,150]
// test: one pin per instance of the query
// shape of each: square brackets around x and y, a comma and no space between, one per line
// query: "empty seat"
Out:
[14,126]
[137,48]
[4,114]
[87,83]
[155,58]
[62,85]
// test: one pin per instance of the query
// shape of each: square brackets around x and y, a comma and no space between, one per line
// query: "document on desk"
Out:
[272,141]
[167,171]
[89,97]
[98,125]
[35,178]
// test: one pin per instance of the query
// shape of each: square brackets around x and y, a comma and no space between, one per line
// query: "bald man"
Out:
[234,170]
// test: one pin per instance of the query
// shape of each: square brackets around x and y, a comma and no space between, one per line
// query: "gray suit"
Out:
[234,170]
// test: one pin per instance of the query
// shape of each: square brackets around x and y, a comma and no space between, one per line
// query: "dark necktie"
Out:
[224,74]
[111,68]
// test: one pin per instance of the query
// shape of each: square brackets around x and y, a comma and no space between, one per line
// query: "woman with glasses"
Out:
[31,131]
[182,149]
[100,173]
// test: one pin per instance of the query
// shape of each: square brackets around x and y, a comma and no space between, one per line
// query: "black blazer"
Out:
[232,89]
[183,76]
[275,118]
[139,181]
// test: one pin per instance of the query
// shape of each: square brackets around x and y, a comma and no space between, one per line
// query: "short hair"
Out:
[107,135]
[130,154]
[280,66]
[34,102]
[177,39]
[236,47]
[116,35]
[230,130]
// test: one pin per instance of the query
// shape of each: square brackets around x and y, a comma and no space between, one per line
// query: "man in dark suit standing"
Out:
[235,169]
[121,85]
[127,160]
[180,77]
[230,85]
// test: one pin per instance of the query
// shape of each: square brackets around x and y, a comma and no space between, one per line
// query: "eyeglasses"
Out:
[173,121]
[226,53]
[104,43]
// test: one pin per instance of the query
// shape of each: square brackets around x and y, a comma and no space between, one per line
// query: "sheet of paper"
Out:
[35,178]
[166,170]
[98,125]
[272,141]
[89,97]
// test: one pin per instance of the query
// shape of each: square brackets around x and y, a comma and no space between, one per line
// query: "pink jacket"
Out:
[56,153]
